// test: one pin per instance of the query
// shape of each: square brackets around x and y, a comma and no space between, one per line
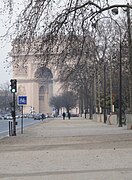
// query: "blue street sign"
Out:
[22,100]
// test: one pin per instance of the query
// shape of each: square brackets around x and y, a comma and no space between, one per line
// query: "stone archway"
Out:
[39,84]
[43,73]
[44,78]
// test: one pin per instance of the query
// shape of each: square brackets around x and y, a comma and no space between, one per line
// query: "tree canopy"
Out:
[68,40]
[63,29]
[66,100]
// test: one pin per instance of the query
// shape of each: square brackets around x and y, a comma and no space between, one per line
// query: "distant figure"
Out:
[69,115]
[43,117]
[85,112]
[64,115]
[47,115]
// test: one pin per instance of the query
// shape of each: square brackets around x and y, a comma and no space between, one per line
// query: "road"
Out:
[4,125]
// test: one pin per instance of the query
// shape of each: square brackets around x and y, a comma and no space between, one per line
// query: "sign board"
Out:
[22,100]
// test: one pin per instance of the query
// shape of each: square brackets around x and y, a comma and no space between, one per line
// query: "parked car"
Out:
[1,117]
[74,115]
[31,115]
[39,116]
[8,117]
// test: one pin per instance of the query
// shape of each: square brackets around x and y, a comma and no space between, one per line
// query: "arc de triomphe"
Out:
[35,81]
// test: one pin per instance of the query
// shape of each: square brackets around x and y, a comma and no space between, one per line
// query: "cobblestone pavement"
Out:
[76,149]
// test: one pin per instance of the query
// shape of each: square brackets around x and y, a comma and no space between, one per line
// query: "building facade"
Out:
[34,80]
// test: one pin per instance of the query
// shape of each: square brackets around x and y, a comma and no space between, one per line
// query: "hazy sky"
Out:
[5,44]
[5,72]
[5,47]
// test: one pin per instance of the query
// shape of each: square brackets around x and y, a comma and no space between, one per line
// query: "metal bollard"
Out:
[10,128]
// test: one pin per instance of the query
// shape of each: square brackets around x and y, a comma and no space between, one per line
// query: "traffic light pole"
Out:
[14,115]
[13,91]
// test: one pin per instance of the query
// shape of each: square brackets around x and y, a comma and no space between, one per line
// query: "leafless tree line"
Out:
[81,39]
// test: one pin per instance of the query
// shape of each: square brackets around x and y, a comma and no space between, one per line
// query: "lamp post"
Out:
[120,83]
[105,115]
[120,74]
[129,52]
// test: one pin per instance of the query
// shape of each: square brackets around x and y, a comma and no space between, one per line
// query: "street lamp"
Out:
[105,115]
[120,74]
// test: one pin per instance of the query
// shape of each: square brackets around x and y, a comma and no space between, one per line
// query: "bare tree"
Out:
[63,35]
[56,102]
[5,98]
[69,100]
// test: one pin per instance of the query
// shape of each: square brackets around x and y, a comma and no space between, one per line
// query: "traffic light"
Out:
[13,85]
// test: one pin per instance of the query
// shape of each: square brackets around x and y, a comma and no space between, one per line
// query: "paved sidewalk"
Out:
[76,149]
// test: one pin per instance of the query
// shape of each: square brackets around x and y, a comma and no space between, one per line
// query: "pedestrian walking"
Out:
[64,115]
[43,116]
[69,115]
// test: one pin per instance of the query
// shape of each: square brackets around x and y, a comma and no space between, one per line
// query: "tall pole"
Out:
[105,115]
[14,116]
[22,121]
[111,99]
[129,54]
[95,88]
[120,85]
[13,91]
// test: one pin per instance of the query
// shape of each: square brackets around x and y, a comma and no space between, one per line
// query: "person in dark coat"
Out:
[69,115]
[64,115]
[43,116]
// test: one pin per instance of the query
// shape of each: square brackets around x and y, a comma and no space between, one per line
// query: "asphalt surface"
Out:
[76,149]
[21,124]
